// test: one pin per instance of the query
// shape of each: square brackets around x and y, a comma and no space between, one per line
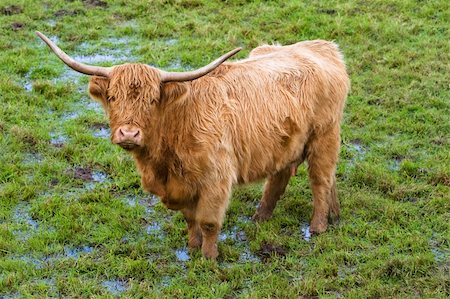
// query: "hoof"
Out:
[210,253]
[317,227]
[260,217]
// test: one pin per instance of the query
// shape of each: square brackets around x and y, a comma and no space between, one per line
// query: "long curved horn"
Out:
[75,65]
[192,75]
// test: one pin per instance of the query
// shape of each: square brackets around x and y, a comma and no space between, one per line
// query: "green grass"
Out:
[75,222]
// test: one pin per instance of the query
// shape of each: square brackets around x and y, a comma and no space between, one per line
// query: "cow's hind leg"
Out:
[322,155]
[273,189]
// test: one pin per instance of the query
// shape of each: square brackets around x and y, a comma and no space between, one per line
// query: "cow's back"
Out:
[271,102]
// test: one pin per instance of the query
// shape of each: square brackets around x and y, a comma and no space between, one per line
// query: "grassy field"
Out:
[74,221]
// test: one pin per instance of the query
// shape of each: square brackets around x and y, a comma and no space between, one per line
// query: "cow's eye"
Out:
[111,98]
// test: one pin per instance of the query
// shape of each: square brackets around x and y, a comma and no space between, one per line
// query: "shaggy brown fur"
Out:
[247,120]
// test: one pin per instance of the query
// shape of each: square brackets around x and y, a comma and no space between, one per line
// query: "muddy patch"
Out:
[328,11]
[68,12]
[115,287]
[82,173]
[268,251]
[306,233]
[95,3]
[182,254]
[16,26]
[11,10]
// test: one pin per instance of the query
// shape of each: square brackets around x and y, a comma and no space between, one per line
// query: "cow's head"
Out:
[130,93]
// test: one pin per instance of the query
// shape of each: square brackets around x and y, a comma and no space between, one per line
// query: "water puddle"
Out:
[115,287]
[171,41]
[28,224]
[394,164]
[57,140]
[76,252]
[153,228]
[102,133]
[146,200]
[97,177]
[177,65]
[32,158]
[10,296]
[70,115]
[36,262]
[97,58]
[235,234]
[166,281]
[182,254]
[306,234]
[92,105]
[246,256]
[27,83]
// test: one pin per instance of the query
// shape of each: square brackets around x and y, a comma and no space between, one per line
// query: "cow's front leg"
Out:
[194,231]
[211,208]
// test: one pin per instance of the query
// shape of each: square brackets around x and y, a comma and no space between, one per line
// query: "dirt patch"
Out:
[95,3]
[17,26]
[268,250]
[11,10]
[328,11]
[67,12]
[83,173]
[440,178]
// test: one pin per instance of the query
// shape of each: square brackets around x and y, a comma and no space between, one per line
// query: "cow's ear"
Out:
[98,88]
[173,91]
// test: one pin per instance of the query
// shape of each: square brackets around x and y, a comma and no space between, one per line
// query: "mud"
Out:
[82,173]
[95,3]
[327,11]
[11,10]
[17,26]
[182,254]
[68,12]
[268,250]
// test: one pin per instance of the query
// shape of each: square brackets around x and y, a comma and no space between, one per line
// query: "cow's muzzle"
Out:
[127,137]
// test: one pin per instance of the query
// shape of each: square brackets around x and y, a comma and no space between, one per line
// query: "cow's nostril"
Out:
[137,133]
[121,132]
